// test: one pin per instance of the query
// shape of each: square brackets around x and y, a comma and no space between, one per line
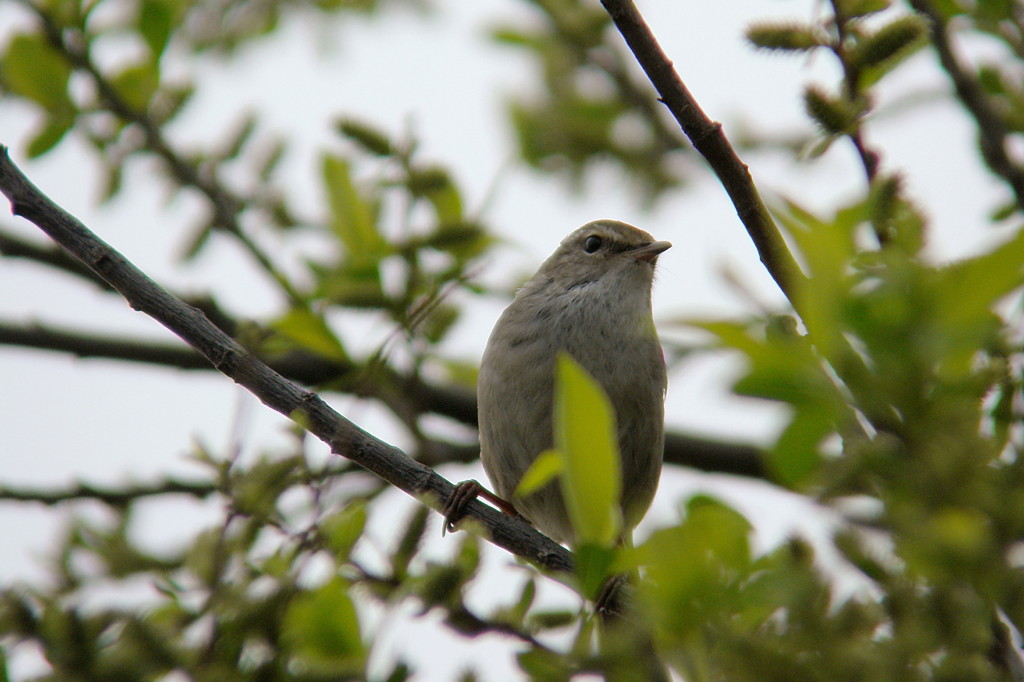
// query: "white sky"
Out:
[64,420]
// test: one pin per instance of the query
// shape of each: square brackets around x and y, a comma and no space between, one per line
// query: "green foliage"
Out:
[886,386]
[589,112]
[31,69]
[321,627]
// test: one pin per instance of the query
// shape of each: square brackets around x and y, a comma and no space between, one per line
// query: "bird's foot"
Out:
[458,503]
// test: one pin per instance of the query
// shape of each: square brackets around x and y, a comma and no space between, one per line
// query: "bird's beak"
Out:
[649,252]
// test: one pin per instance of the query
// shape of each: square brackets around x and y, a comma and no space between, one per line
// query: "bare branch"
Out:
[305,407]
[707,137]
[118,496]
[696,452]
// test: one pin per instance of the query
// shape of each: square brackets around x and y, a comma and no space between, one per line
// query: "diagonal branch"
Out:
[305,407]
[707,137]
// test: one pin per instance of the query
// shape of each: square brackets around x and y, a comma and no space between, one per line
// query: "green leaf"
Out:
[593,567]
[238,138]
[795,457]
[57,125]
[343,529]
[137,84]
[694,571]
[585,437]
[156,18]
[311,332]
[970,290]
[435,184]
[862,8]
[352,215]
[354,283]
[32,69]
[976,284]
[545,468]
[369,138]
[321,628]
[257,490]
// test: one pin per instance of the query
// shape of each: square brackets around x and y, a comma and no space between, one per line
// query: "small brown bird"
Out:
[591,299]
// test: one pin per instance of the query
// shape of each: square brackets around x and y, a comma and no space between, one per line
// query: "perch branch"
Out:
[305,407]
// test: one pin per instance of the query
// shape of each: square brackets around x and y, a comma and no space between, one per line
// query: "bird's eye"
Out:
[592,244]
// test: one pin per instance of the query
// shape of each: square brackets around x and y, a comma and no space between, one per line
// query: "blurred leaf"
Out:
[258,488]
[32,69]
[155,23]
[52,132]
[343,529]
[861,8]
[369,138]
[409,542]
[137,84]
[544,665]
[238,138]
[593,567]
[881,52]
[795,457]
[352,215]
[438,322]
[321,628]
[311,332]
[694,570]
[354,283]
[464,240]
[585,437]
[435,184]
[544,469]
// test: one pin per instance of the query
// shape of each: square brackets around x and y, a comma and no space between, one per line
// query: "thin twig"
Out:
[707,137]
[993,132]
[116,496]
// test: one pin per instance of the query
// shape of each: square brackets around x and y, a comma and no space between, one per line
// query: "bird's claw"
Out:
[458,503]
[455,507]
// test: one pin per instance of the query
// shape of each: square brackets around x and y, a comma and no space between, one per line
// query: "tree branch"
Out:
[993,133]
[13,247]
[114,496]
[305,407]
[707,137]
[457,403]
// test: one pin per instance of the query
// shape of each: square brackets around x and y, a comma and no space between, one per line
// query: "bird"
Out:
[592,300]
